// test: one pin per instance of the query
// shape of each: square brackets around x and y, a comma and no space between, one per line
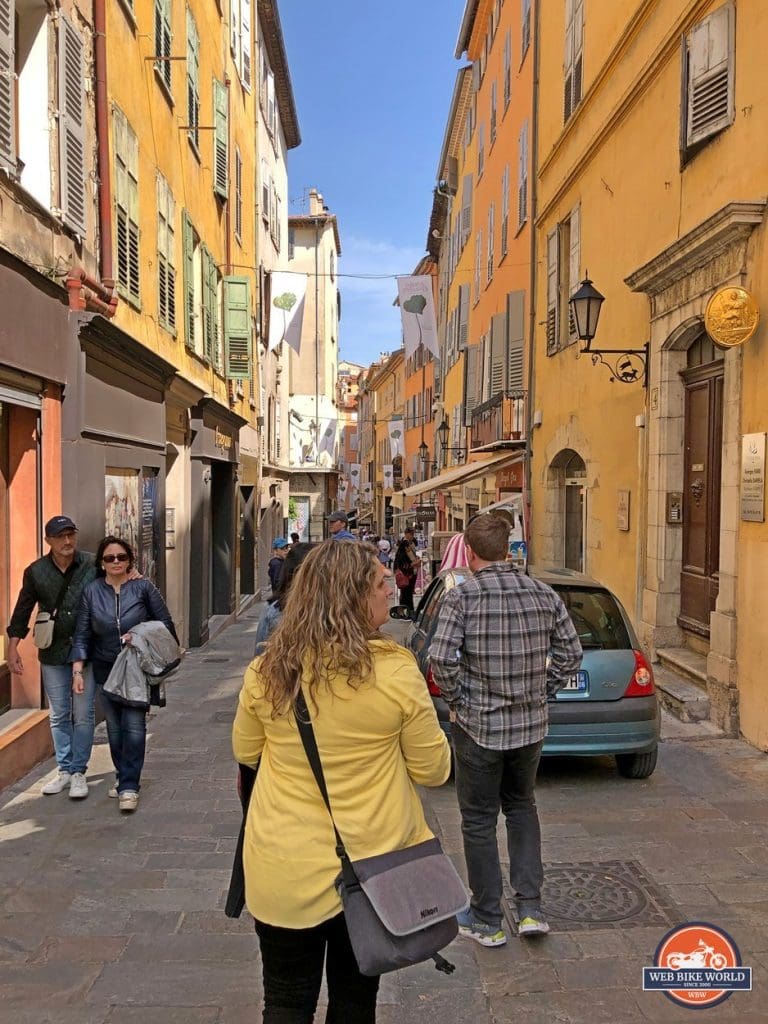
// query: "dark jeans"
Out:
[292,962]
[126,731]
[486,781]
[406,593]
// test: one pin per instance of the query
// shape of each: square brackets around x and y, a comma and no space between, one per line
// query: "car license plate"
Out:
[576,683]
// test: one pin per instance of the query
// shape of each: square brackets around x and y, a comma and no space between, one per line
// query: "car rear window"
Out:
[597,618]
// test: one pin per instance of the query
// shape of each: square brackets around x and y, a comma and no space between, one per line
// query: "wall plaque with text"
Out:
[753,478]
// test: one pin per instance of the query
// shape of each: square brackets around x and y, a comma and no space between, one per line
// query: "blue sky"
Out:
[372,83]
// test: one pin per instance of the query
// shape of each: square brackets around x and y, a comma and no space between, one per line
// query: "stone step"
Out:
[683,698]
[685,662]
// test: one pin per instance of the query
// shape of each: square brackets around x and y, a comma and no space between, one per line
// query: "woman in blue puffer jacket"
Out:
[110,607]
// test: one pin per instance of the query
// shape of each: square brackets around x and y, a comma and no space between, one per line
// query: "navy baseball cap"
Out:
[338,517]
[58,525]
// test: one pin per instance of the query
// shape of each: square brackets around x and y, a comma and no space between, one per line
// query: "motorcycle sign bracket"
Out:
[627,365]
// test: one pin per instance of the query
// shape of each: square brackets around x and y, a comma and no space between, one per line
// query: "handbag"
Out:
[400,907]
[402,579]
[45,622]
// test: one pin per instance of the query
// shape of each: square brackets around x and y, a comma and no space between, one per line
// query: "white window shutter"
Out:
[71,126]
[522,175]
[463,329]
[552,293]
[498,352]
[245,42]
[515,340]
[221,139]
[711,67]
[234,29]
[7,86]
[466,208]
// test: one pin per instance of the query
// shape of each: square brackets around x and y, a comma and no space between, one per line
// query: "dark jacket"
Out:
[403,560]
[40,586]
[274,568]
[106,614]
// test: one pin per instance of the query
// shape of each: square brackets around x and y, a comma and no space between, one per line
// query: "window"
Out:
[271,106]
[126,206]
[465,218]
[522,175]
[507,68]
[238,195]
[525,41]
[478,261]
[480,150]
[563,274]
[574,44]
[193,82]
[71,129]
[489,265]
[291,243]
[193,294]
[241,39]
[266,192]
[163,39]
[211,293]
[333,265]
[493,113]
[708,78]
[166,261]
[504,211]
[221,139]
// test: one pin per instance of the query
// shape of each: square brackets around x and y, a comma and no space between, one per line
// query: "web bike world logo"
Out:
[697,965]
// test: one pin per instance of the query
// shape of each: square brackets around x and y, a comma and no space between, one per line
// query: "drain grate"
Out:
[599,895]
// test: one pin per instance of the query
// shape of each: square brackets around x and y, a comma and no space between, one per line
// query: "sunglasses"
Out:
[115,558]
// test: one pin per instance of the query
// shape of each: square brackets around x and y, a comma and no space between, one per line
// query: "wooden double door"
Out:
[703,443]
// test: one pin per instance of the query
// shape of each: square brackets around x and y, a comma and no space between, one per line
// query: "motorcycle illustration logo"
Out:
[702,956]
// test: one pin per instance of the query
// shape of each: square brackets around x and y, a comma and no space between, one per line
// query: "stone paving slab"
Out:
[110,919]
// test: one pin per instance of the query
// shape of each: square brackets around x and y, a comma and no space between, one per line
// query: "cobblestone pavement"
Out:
[118,919]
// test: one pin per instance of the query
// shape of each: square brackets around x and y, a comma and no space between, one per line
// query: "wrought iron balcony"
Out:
[501,418]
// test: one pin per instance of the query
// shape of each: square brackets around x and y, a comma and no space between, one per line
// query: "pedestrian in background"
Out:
[295,539]
[274,609]
[275,565]
[489,656]
[337,524]
[54,583]
[110,607]
[385,549]
[406,566]
[378,737]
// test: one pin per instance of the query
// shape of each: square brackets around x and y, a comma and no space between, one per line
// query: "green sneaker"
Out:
[485,934]
[531,925]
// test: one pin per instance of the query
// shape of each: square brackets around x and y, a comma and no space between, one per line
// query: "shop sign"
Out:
[753,478]
[510,478]
[221,440]
[426,513]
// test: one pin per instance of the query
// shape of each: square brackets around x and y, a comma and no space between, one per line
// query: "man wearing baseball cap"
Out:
[54,583]
[337,524]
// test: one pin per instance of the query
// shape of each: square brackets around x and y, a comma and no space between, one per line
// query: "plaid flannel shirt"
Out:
[489,655]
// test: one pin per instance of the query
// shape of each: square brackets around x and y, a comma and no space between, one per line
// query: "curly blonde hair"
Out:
[325,627]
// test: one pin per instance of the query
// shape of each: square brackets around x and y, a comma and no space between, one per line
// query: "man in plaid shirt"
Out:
[504,644]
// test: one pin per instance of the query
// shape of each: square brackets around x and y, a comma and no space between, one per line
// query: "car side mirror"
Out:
[400,611]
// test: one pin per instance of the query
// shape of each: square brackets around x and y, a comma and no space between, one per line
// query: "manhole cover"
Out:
[216,658]
[600,895]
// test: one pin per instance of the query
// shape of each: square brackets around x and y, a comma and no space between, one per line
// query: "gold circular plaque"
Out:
[732,317]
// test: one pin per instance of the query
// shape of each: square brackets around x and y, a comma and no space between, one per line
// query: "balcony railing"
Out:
[501,418]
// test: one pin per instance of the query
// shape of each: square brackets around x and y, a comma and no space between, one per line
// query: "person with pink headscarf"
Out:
[455,556]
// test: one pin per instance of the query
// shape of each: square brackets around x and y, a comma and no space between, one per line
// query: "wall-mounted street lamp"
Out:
[442,435]
[629,364]
[407,481]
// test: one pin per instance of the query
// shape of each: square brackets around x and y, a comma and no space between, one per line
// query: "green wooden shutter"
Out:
[7,86]
[163,37]
[71,126]
[237,327]
[210,311]
[188,240]
[221,139]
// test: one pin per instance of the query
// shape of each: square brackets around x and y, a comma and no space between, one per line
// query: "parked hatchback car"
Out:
[609,706]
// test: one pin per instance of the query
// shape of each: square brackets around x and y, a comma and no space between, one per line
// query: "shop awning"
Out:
[458,474]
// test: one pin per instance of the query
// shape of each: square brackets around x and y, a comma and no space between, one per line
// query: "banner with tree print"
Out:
[286,312]
[396,438]
[417,311]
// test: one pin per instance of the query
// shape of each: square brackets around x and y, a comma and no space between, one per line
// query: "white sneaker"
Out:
[57,784]
[78,787]
[128,801]
[112,792]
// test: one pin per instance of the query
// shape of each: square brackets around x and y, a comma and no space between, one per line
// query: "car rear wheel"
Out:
[637,766]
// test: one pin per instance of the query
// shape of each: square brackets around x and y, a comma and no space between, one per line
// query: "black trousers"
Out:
[292,962]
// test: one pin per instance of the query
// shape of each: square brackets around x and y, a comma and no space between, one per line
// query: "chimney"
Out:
[315,203]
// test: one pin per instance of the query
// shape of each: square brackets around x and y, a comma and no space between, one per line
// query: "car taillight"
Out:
[432,686]
[641,683]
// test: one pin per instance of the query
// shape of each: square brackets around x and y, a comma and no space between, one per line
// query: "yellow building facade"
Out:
[648,176]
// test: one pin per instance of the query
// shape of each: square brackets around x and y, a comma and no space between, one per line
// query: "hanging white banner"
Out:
[342,491]
[286,311]
[388,477]
[417,311]
[396,438]
[328,437]
[354,475]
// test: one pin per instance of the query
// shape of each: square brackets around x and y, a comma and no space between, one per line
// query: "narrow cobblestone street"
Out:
[118,919]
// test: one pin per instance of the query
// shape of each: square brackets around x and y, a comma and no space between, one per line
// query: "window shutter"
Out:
[476,76]
[491,232]
[166,262]
[163,39]
[578,46]
[498,352]
[210,311]
[221,139]
[711,67]
[504,211]
[245,42]
[271,102]
[515,340]
[574,262]
[193,79]
[480,149]
[71,126]
[470,382]
[466,209]
[493,113]
[188,241]
[507,68]
[568,61]
[522,175]
[553,286]
[234,29]
[7,86]
[526,27]
[463,316]
[237,328]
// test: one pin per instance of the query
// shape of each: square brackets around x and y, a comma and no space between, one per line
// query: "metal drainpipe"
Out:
[317,347]
[102,142]
[532,296]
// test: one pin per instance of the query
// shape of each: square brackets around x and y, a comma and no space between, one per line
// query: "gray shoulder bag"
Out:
[400,907]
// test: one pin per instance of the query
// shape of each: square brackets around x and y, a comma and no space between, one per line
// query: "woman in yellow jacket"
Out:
[377,734]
